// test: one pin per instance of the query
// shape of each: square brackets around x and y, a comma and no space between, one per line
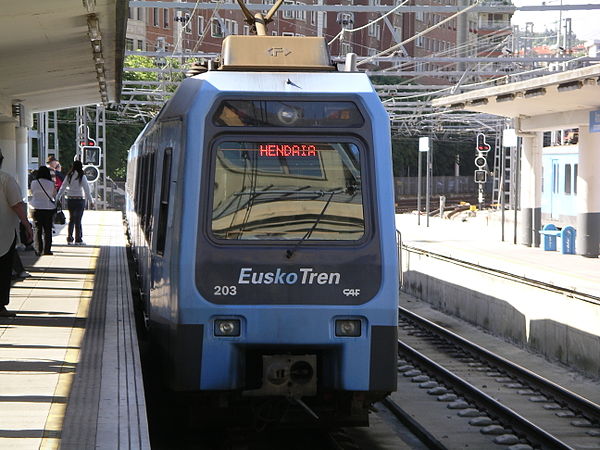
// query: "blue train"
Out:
[559,184]
[260,210]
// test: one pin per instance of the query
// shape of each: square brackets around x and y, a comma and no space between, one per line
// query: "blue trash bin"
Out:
[550,232]
[567,238]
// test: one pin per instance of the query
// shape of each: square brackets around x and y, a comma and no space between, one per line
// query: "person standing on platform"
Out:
[43,201]
[56,171]
[75,186]
[12,209]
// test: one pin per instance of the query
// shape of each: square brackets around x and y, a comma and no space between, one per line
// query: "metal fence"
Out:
[408,186]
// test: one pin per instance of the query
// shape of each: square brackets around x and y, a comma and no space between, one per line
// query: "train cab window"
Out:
[568,179]
[287,191]
[261,113]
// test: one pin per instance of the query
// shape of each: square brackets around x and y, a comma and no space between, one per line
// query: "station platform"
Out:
[70,374]
[478,240]
[544,300]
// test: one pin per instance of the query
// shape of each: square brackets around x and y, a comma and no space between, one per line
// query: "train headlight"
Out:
[227,327]
[347,328]
[287,115]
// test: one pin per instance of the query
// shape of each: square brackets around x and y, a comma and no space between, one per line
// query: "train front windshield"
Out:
[287,191]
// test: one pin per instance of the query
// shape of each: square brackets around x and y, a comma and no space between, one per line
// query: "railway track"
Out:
[409,204]
[456,394]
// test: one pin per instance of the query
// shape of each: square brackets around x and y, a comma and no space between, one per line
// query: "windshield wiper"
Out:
[290,252]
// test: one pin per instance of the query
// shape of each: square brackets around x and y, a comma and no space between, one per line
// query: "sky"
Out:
[585,24]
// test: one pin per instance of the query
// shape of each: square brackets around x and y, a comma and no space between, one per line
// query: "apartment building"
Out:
[198,30]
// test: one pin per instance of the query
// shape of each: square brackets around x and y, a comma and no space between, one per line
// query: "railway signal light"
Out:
[481,176]
[91,155]
[480,161]
[482,145]
[91,173]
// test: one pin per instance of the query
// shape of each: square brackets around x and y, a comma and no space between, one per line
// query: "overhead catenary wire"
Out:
[427,30]
[352,30]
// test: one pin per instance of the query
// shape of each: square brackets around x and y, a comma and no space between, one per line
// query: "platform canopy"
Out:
[60,53]
[564,99]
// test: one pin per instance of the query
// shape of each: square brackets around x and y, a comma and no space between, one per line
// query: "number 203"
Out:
[225,290]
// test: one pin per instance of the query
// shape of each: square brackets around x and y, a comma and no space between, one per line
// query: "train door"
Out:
[166,156]
[555,190]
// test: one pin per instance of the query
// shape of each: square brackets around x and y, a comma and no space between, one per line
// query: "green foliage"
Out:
[170,70]
[405,154]
[382,79]
[119,137]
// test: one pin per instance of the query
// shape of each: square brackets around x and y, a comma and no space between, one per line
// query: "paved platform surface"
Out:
[69,367]
[478,240]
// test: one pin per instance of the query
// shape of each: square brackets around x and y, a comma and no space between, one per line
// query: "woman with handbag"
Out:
[43,202]
[77,190]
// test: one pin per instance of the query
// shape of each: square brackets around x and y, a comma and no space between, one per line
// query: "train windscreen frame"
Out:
[289,190]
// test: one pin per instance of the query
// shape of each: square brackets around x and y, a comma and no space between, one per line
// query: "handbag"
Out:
[23,236]
[59,217]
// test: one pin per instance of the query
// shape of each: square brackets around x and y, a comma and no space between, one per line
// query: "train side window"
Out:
[163,209]
[139,183]
[568,179]
[575,170]
[143,192]
[149,195]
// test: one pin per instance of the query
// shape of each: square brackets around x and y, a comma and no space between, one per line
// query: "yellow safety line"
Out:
[56,415]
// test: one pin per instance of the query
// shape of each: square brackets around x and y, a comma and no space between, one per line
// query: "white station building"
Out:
[565,100]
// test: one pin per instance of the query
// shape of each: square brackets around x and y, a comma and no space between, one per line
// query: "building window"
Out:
[568,179]
[200,25]
[166,23]
[287,33]
[216,30]
[375,30]
[420,16]
[246,30]
[129,44]
[187,23]
[140,45]
[300,14]
[139,13]
[575,170]
[419,41]
[155,17]
[288,14]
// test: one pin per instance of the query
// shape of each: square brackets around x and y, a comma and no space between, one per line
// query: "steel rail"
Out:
[509,418]
[585,407]
[413,426]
